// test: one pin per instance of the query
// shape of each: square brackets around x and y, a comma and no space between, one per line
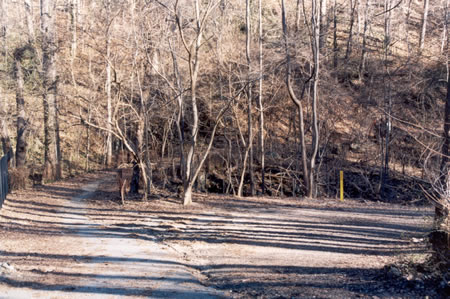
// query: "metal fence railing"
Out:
[3,179]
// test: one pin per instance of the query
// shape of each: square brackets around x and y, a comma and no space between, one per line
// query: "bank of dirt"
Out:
[73,238]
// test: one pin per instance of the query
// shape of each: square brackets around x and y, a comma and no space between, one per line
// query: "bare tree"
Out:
[52,169]
[109,20]
[260,99]
[308,163]
[21,144]
[192,48]
[249,149]
[250,96]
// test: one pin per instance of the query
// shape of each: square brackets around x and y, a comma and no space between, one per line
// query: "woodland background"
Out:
[237,97]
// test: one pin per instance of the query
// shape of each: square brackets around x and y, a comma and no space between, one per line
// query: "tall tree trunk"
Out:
[6,143]
[444,39]
[348,52]
[249,102]
[441,212]
[295,100]
[50,88]
[193,71]
[335,43]
[362,61]
[88,140]
[407,17]
[73,44]
[21,144]
[260,101]
[297,16]
[387,96]
[423,25]
[180,114]
[315,23]
[193,50]
[108,87]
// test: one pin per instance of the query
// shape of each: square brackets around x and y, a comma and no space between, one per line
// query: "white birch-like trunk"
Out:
[260,100]
[29,19]
[423,25]
[108,88]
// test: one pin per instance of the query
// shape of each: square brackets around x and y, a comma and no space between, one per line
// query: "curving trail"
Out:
[79,258]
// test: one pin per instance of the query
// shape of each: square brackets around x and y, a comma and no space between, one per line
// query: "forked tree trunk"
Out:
[193,51]
[308,163]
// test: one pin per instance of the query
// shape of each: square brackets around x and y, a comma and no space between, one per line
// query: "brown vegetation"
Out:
[359,86]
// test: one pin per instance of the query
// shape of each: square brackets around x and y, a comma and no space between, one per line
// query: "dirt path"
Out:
[83,259]
[69,243]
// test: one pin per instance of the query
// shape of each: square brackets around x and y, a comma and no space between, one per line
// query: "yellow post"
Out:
[341,180]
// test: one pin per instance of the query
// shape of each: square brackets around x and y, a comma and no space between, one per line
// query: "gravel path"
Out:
[67,240]
[98,263]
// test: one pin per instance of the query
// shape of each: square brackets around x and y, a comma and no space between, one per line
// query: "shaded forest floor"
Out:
[73,239]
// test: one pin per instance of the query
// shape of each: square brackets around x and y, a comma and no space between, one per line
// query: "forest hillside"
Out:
[227,96]
[188,123]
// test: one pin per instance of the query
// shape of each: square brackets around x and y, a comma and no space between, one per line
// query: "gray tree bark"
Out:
[308,163]
[423,25]
[442,209]
[52,170]
[364,40]
[335,44]
[323,23]
[21,144]
[108,86]
[6,142]
[315,23]
[348,52]
[29,20]
[444,39]
[260,100]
